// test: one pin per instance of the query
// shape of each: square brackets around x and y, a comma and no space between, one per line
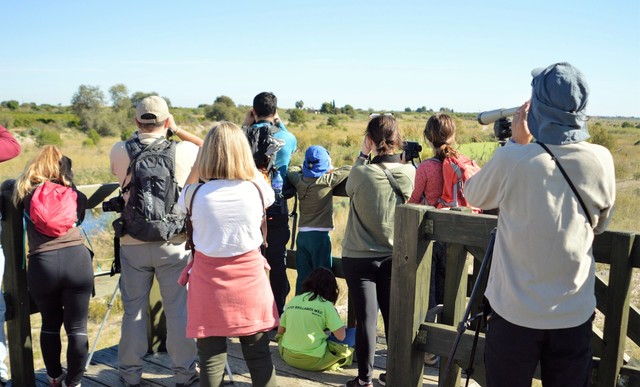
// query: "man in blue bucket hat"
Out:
[554,194]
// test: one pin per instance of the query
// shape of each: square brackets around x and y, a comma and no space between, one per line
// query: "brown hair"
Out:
[383,131]
[321,282]
[226,154]
[49,164]
[440,131]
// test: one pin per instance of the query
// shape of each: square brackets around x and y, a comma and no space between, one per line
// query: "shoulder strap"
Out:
[393,182]
[263,224]
[566,177]
[188,201]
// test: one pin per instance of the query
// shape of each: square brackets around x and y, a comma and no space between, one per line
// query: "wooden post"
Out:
[617,312]
[15,285]
[410,276]
[455,301]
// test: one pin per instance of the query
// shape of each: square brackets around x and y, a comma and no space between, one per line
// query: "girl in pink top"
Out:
[440,133]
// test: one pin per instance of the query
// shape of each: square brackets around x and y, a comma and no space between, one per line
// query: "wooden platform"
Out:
[103,371]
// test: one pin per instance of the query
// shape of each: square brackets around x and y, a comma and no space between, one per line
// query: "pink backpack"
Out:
[455,172]
[53,209]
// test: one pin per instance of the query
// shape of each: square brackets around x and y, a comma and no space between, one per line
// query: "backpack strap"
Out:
[393,182]
[263,224]
[566,177]
[189,194]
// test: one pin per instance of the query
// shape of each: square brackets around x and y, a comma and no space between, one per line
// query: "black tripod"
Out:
[467,320]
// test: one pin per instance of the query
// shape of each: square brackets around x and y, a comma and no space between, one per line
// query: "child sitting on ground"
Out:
[314,185]
[302,340]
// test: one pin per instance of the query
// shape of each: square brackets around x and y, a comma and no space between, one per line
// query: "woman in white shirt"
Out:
[229,292]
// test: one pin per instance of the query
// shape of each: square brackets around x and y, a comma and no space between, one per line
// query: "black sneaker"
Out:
[382,379]
[357,383]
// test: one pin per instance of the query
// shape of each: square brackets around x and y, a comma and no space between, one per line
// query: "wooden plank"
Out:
[455,300]
[15,286]
[409,296]
[617,309]
[153,374]
[98,193]
[458,227]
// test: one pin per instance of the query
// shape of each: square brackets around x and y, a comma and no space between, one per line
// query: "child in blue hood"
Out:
[314,184]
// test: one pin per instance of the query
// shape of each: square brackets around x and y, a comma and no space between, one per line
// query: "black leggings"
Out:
[369,281]
[61,282]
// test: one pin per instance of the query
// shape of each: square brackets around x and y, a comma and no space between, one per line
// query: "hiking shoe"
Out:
[357,382]
[57,382]
[194,378]
[382,379]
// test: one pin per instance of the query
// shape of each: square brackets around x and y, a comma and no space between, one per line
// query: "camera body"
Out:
[114,204]
[502,129]
[411,150]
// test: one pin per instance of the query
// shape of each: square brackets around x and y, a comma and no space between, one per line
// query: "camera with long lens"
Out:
[411,150]
[114,204]
[501,119]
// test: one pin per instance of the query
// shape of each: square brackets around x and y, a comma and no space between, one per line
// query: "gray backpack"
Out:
[151,213]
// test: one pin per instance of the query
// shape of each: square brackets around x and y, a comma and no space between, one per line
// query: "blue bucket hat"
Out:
[316,161]
[558,99]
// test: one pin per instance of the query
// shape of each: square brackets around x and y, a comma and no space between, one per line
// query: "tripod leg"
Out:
[228,369]
[104,321]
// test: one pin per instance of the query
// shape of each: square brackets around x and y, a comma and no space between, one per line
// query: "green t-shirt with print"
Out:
[305,321]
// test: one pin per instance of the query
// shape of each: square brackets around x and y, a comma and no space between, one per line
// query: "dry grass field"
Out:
[91,165]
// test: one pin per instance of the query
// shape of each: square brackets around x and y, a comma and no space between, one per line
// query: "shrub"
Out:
[48,137]
[601,136]
[333,121]
[297,116]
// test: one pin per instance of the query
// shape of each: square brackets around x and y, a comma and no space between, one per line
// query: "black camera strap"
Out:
[566,177]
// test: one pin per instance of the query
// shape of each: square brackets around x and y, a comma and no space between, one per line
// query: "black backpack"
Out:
[264,145]
[150,214]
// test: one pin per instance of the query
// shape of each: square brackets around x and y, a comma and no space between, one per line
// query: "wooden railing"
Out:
[415,228]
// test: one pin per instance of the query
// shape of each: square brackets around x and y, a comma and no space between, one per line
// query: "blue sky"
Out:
[465,55]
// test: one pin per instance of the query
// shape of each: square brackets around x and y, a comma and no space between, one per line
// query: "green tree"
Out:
[224,100]
[139,96]
[297,116]
[627,124]
[407,110]
[87,99]
[120,97]
[349,110]
[12,104]
[299,104]
[327,108]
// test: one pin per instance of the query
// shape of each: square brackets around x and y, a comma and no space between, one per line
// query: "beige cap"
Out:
[152,110]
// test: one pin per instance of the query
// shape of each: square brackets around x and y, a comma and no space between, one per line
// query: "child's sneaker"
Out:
[382,379]
[357,382]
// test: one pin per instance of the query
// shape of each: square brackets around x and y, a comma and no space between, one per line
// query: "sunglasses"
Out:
[374,115]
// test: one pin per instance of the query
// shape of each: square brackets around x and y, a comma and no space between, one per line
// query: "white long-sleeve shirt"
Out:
[543,272]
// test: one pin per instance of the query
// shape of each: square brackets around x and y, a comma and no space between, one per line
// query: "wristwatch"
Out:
[171,132]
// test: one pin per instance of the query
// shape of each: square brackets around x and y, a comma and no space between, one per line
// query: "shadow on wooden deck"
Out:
[103,371]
